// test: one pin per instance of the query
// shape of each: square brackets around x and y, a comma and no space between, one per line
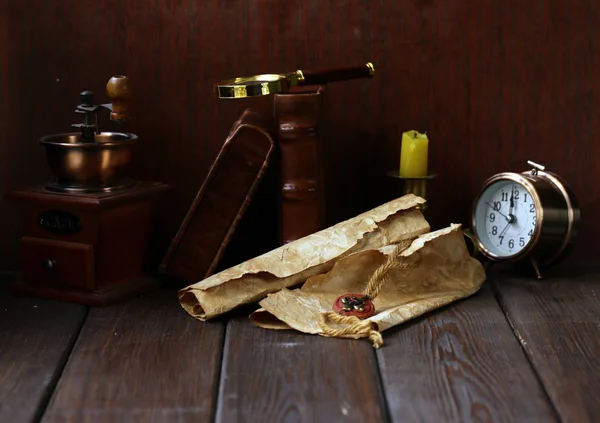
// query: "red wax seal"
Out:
[354,305]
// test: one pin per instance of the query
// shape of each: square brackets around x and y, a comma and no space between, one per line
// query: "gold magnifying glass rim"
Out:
[253,86]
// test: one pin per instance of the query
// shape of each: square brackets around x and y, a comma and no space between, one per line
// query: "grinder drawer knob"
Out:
[50,264]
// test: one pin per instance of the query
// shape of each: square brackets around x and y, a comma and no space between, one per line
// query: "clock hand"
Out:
[499,212]
[505,228]
[512,201]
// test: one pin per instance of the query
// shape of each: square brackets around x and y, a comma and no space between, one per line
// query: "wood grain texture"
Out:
[558,323]
[36,339]
[494,83]
[144,360]
[286,376]
[461,364]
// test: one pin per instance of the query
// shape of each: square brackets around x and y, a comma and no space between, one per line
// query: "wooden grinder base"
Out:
[86,248]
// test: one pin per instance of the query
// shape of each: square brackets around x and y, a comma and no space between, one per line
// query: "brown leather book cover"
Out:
[222,200]
[299,125]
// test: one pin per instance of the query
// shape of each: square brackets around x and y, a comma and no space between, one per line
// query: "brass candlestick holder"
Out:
[413,185]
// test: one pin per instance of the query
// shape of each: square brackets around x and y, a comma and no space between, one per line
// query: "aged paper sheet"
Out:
[445,272]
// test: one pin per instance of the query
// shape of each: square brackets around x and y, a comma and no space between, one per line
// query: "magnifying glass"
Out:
[267,84]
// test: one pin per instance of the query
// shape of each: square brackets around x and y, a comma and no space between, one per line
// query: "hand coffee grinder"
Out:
[86,234]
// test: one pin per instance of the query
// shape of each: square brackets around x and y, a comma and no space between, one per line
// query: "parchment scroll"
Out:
[315,254]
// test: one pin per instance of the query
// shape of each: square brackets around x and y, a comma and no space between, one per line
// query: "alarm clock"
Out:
[533,215]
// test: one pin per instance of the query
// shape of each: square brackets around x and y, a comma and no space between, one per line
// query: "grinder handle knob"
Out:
[86,98]
[117,90]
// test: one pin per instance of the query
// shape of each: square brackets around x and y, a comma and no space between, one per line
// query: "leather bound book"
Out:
[222,200]
[299,125]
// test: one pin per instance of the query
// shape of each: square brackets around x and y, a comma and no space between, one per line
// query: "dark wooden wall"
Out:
[494,82]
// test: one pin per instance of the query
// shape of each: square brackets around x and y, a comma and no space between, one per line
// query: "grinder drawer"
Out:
[57,263]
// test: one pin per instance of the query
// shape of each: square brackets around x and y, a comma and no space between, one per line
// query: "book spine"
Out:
[222,200]
[299,126]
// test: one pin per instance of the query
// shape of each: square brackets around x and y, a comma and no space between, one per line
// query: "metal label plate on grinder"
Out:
[60,222]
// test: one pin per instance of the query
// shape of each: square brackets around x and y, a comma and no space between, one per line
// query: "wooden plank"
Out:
[287,376]
[558,323]
[142,360]
[36,337]
[461,363]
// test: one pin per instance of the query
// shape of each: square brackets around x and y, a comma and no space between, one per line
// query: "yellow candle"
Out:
[413,155]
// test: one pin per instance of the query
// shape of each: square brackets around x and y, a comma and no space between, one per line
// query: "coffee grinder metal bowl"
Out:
[91,160]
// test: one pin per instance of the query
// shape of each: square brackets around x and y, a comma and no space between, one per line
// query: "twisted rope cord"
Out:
[378,278]
[383,272]
[356,327]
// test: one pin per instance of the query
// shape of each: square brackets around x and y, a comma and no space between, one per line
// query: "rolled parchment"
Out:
[444,272]
[296,261]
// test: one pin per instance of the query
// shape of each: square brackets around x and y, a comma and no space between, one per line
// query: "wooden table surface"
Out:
[520,350]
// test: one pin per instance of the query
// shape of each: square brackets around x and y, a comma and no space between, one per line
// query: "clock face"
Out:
[505,218]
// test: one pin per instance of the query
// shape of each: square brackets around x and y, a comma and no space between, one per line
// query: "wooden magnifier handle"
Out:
[119,93]
[318,77]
